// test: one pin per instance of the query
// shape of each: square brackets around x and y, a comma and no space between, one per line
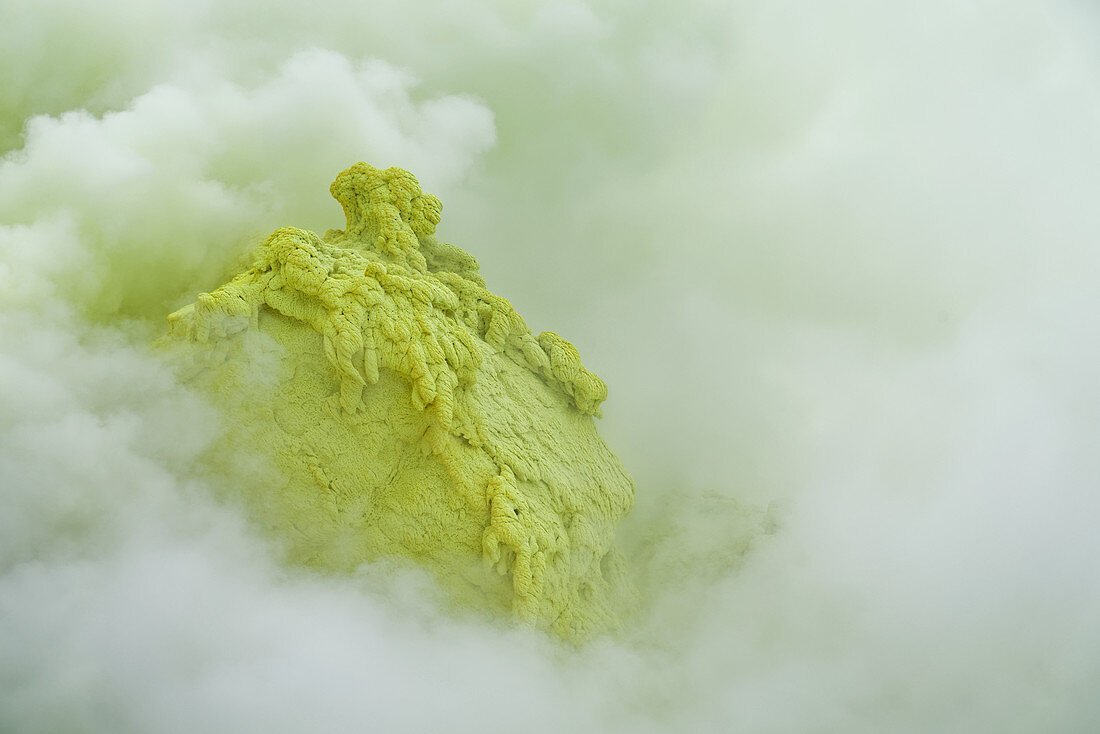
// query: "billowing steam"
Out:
[837,260]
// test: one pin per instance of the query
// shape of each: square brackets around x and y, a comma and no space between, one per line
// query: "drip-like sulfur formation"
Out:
[413,413]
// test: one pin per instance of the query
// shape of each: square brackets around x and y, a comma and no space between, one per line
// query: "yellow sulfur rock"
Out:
[410,412]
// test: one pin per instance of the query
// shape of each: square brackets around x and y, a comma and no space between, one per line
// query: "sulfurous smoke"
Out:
[836,262]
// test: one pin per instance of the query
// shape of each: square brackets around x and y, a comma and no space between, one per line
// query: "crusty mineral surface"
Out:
[407,411]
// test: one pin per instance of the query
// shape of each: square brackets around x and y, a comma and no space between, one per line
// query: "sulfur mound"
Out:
[410,412]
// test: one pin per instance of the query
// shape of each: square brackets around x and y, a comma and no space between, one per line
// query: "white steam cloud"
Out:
[837,257]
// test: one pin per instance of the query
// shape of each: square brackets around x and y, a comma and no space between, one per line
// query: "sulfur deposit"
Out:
[409,412]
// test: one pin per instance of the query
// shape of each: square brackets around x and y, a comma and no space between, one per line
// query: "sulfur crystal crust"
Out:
[410,412]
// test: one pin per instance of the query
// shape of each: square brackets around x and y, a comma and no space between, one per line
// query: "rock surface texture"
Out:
[410,412]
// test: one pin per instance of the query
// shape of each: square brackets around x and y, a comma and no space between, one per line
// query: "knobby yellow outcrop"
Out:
[410,412]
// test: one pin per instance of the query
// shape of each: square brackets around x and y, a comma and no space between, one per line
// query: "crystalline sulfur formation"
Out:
[410,412]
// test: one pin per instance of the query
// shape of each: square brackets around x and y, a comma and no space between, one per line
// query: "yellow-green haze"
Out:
[836,262]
